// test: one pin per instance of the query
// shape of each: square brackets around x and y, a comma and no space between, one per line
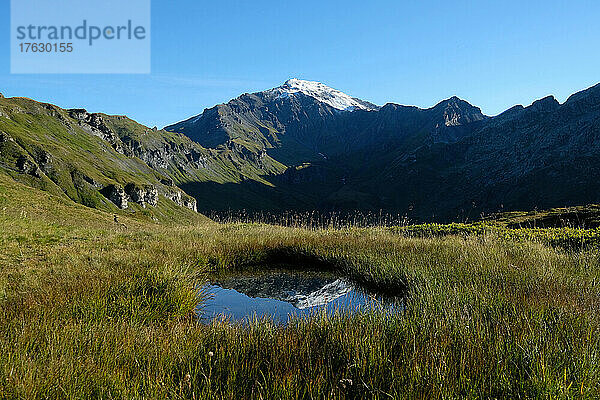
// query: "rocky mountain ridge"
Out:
[305,127]
[77,155]
[304,146]
[445,162]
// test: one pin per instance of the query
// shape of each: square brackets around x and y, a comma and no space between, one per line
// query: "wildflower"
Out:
[210,354]
[188,380]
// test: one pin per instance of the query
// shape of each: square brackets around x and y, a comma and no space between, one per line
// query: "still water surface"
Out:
[281,294]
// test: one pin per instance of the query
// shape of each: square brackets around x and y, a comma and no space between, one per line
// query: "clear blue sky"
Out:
[494,54]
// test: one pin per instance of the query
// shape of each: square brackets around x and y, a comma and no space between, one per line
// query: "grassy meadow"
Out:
[95,309]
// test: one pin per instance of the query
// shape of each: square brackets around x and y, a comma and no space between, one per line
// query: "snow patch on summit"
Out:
[322,93]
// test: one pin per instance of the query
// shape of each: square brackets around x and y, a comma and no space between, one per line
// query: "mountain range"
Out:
[304,146]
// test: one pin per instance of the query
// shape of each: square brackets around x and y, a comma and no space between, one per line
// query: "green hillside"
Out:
[111,162]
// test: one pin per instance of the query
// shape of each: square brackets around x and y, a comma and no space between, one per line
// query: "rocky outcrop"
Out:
[148,194]
[175,197]
[26,166]
[142,195]
[44,160]
[94,123]
[117,195]
[151,195]
[243,155]
[182,200]
[191,203]
[136,193]
[163,154]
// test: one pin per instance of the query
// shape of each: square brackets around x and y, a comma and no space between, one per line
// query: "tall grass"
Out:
[312,220]
[93,311]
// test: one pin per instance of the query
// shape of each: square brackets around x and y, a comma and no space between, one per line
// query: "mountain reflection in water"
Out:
[281,294]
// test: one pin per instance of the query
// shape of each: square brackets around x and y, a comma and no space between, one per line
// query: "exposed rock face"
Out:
[148,194]
[144,195]
[183,156]
[247,155]
[182,200]
[81,180]
[175,197]
[190,203]
[174,155]
[153,148]
[458,112]
[95,124]
[546,105]
[117,195]
[136,194]
[301,127]
[44,160]
[27,166]
[151,195]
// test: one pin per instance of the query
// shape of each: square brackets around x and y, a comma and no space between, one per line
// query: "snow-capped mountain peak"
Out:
[322,93]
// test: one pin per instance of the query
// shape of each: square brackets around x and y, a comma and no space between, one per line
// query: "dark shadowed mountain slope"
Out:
[330,142]
[304,121]
[445,162]
[544,155]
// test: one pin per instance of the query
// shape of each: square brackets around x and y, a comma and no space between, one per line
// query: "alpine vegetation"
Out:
[113,285]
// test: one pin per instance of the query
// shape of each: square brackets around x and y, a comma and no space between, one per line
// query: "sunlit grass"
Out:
[91,310]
